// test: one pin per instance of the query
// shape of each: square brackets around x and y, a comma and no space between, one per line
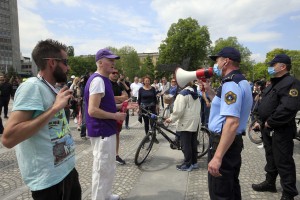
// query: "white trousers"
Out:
[104,166]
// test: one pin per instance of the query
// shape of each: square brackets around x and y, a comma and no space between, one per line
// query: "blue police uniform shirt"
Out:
[233,98]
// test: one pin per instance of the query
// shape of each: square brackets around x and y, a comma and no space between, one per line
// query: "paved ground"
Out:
[156,179]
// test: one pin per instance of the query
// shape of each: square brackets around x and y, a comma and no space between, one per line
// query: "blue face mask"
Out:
[271,71]
[216,69]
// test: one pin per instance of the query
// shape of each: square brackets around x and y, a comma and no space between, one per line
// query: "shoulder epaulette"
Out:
[229,78]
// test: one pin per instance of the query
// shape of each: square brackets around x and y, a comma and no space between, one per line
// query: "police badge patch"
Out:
[230,98]
[293,92]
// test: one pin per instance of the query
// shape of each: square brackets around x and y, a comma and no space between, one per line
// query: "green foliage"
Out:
[148,68]
[70,51]
[260,72]
[246,63]
[129,62]
[186,39]
[81,65]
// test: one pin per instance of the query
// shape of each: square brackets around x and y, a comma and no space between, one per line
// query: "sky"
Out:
[89,25]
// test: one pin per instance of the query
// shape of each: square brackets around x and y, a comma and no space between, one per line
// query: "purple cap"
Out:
[105,53]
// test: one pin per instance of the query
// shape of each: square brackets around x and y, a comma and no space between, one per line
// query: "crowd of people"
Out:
[38,125]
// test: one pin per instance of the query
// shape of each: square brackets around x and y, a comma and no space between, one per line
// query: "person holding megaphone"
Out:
[230,109]
[187,111]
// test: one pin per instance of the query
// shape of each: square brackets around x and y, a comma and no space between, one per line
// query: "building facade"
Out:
[153,56]
[9,36]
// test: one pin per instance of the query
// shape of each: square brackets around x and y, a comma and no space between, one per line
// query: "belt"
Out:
[215,133]
[217,136]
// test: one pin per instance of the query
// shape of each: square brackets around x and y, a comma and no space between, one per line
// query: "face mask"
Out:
[271,71]
[216,69]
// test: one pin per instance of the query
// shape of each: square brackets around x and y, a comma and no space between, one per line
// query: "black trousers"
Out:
[127,118]
[83,123]
[279,148]
[67,189]
[227,186]
[189,146]
[146,119]
[4,101]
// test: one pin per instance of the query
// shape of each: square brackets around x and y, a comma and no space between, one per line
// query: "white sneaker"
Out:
[75,121]
[260,146]
[114,197]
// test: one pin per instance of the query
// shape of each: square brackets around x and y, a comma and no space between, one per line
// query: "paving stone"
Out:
[128,176]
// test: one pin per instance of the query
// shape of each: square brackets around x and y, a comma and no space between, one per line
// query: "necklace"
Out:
[52,89]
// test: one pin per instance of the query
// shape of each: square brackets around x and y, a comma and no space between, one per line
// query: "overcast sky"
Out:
[88,25]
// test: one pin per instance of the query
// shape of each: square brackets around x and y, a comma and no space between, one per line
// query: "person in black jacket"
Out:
[277,110]
[147,100]
[120,96]
[126,86]
[5,93]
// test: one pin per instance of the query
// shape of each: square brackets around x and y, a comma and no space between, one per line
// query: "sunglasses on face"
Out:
[64,61]
[115,73]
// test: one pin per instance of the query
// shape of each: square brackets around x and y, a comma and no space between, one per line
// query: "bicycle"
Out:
[158,127]
[254,134]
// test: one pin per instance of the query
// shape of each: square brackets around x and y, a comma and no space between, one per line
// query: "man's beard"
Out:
[59,75]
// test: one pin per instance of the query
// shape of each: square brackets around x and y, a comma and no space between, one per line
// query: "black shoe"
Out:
[127,127]
[6,117]
[264,187]
[286,197]
[184,167]
[120,160]
[156,141]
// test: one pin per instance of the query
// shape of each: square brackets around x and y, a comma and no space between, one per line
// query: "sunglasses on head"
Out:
[65,61]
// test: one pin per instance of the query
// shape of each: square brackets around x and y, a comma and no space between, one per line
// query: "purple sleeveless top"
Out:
[101,127]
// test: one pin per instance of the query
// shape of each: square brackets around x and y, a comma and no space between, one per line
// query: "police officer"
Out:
[229,112]
[277,110]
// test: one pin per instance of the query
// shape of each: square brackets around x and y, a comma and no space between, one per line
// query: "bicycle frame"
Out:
[160,127]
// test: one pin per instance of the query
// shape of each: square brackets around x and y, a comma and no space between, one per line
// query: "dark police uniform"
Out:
[233,98]
[279,105]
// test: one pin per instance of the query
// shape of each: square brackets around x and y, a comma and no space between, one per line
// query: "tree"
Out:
[70,51]
[246,63]
[260,72]
[82,65]
[148,68]
[186,40]
[129,62]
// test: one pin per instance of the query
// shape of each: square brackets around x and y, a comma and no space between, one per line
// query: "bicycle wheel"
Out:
[144,149]
[254,136]
[203,141]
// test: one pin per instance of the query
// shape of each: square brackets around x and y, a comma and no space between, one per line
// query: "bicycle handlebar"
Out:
[152,115]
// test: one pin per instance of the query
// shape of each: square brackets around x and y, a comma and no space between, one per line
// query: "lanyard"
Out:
[46,83]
